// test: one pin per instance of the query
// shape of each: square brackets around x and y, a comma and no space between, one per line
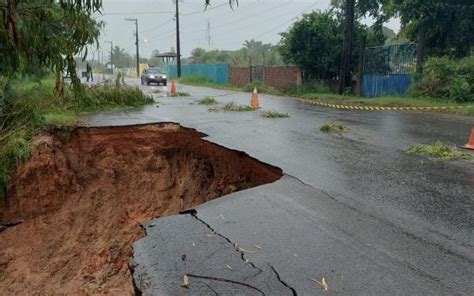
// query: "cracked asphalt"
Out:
[354,209]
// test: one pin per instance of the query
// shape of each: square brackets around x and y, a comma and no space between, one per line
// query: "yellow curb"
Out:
[377,108]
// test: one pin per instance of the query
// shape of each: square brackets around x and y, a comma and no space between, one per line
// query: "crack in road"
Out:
[293,291]
[242,257]
[242,254]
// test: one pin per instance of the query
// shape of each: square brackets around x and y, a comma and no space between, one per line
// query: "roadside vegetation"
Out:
[333,128]
[28,106]
[207,101]
[273,114]
[438,150]
[180,94]
[231,107]
[197,80]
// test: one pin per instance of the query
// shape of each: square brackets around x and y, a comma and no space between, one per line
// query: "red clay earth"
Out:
[84,195]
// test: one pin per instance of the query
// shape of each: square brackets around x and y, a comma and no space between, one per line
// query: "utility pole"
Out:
[111,56]
[136,42]
[178,44]
[344,75]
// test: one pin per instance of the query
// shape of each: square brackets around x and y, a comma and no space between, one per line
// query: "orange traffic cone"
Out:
[470,144]
[254,100]
[173,88]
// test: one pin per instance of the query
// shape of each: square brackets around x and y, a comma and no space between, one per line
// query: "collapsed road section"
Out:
[84,194]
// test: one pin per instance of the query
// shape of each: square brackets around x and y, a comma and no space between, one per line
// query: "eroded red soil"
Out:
[83,199]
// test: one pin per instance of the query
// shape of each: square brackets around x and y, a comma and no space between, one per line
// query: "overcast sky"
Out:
[253,19]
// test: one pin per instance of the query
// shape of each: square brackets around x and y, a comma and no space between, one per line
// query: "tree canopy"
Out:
[314,44]
[46,34]
[254,52]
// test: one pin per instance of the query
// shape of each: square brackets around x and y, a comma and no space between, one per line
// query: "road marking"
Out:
[378,108]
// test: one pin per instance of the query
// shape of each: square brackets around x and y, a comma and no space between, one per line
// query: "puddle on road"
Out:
[83,196]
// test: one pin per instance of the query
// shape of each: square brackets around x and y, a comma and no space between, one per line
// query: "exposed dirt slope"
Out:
[83,199]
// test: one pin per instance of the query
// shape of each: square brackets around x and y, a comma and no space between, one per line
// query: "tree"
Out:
[121,58]
[46,34]
[154,60]
[314,44]
[444,27]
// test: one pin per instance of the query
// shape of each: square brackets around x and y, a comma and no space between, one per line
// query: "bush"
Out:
[261,88]
[27,107]
[447,79]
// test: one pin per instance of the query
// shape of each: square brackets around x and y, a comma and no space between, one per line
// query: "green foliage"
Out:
[48,34]
[261,88]
[449,24]
[197,80]
[446,78]
[180,94]
[314,44]
[207,101]
[253,51]
[121,59]
[273,114]
[439,150]
[232,107]
[28,106]
[333,128]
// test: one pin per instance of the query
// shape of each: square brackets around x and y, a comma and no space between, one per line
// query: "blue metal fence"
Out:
[218,73]
[388,69]
[375,85]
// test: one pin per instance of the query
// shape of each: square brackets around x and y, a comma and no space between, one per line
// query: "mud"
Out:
[84,195]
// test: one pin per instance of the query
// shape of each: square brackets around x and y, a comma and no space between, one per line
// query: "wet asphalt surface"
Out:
[352,208]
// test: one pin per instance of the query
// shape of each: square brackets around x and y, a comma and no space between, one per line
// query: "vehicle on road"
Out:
[153,75]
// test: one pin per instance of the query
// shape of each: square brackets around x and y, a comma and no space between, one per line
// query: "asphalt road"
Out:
[354,209]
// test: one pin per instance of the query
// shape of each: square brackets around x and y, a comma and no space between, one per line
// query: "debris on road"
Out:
[438,150]
[333,128]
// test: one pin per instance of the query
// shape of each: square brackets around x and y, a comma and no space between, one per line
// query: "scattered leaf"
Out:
[229,267]
[246,261]
[210,235]
[185,283]
[323,284]
[258,247]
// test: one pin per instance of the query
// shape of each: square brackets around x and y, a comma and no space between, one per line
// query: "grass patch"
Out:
[261,88]
[333,128]
[323,94]
[388,101]
[180,94]
[438,150]
[207,101]
[232,107]
[469,111]
[273,114]
[202,81]
[28,106]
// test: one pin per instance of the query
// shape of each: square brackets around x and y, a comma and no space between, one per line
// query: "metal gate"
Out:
[256,73]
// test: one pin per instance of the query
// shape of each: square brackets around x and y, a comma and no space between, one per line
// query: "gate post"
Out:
[360,68]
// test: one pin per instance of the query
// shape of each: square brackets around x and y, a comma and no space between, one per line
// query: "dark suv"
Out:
[153,75]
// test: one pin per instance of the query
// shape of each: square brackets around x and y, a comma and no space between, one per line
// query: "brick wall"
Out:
[239,76]
[282,77]
[279,77]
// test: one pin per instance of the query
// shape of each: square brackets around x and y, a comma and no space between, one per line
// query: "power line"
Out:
[244,18]
[156,27]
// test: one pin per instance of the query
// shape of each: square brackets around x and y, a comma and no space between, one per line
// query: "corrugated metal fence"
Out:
[388,70]
[218,73]
[374,85]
